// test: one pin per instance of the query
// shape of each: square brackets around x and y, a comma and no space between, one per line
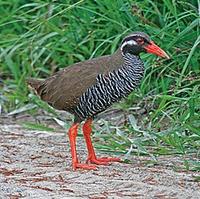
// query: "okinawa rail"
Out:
[89,87]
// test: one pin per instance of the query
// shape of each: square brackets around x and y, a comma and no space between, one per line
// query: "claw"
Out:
[102,161]
[84,166]
[109,159]
[97,161]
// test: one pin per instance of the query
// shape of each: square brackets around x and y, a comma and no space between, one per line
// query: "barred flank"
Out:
[111,88]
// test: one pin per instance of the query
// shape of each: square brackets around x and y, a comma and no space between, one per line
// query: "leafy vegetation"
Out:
[40,37]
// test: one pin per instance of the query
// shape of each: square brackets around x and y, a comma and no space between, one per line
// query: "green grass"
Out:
[38,38]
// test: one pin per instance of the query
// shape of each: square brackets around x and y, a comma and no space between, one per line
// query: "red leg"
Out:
[72,139]
[87,130]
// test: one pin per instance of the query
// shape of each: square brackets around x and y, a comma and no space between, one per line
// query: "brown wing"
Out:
[64,88]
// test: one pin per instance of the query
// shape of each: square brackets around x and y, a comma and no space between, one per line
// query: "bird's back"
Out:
[110,88]
[64,89]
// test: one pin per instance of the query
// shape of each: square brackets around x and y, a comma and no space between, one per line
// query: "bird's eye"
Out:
[140,41]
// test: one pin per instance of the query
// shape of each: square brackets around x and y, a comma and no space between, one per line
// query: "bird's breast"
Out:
[110,88]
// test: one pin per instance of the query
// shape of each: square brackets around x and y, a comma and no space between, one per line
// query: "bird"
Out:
[87,88]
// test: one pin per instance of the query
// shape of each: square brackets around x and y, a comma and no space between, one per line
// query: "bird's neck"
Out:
[133,64]
[128,76]
[130,66]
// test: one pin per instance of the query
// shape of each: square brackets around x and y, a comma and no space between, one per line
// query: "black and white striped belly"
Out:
[111,88]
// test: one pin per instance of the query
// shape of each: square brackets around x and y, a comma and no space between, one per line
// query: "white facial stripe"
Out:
[130,42]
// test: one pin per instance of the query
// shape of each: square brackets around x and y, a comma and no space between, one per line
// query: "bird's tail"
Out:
[34,84]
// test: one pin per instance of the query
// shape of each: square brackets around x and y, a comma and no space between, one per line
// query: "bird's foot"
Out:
[109,159]
[102,161]
[83,166]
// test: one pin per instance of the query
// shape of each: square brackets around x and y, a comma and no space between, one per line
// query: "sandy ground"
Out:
[35,164]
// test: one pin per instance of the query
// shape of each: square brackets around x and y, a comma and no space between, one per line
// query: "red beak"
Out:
[154,49]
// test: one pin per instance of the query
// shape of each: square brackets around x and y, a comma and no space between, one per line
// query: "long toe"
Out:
[109,159]
[84,166]
[97,161]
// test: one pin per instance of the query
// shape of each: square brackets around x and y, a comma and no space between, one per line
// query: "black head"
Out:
[138,42]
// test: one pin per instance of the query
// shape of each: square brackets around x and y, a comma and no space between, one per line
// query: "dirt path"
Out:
[37,165]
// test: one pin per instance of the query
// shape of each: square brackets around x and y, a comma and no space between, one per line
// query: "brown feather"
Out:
[63,89]
[34,84]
